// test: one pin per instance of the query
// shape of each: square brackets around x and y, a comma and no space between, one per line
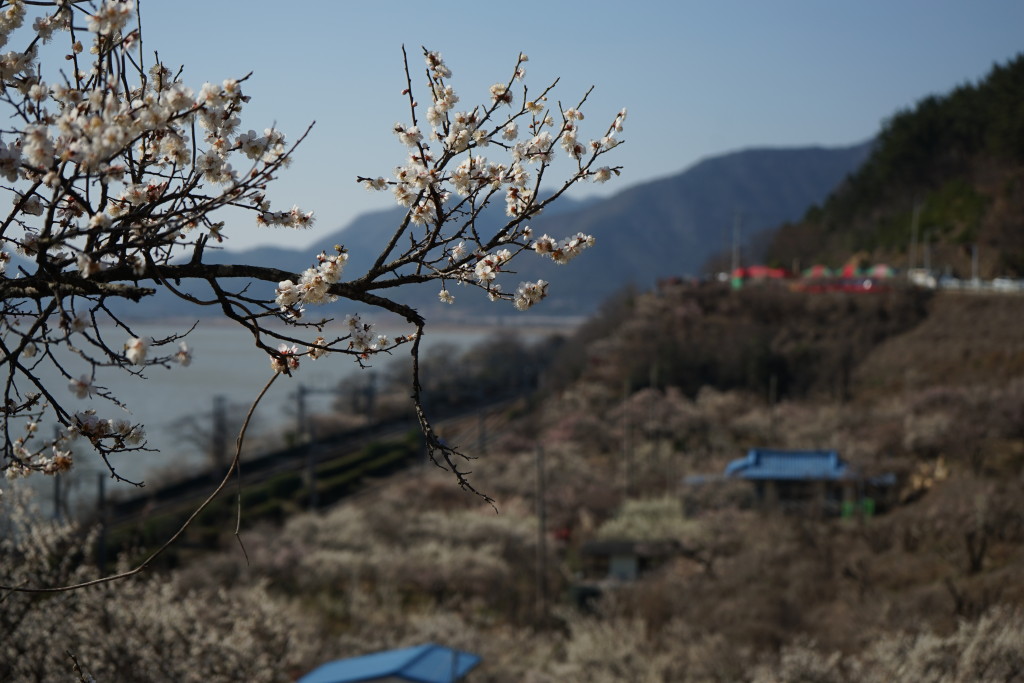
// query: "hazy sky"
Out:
[698,78]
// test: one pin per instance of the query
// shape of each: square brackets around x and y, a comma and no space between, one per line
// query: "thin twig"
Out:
[195,513]
[237,466]
[82,676]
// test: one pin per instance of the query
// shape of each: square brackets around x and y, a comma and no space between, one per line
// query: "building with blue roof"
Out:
[766,464]
[427,663]
[804,479]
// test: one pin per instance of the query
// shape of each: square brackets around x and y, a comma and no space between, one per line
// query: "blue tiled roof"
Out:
[427,663]
[764,463]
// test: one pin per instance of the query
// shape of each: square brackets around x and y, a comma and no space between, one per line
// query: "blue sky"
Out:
[698,78]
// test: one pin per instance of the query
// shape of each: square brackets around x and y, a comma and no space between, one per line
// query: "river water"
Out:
[225,363]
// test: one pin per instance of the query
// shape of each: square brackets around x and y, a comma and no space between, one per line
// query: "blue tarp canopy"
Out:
[764,463]
[427,663]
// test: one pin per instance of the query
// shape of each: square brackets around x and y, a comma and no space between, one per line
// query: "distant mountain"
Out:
[364,238]
[671,227]
[667,227]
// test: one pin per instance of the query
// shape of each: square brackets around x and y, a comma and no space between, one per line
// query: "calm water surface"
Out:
[224,363]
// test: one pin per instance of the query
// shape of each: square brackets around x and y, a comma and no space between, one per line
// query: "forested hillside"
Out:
[945,175]
[657,387]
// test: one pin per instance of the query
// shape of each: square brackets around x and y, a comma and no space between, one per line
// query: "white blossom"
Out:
[488,267]
[135,436]
[80,387]
[184,355]
[286,360]
[37,146]
[10,160]
[361,336]
[317,350]
[111,17]
[86,265]
[288,294]
[564,251]
[135,350]
[409,137]
[500,94]
[100,221]
[438,69]
[80,322]
[529,293]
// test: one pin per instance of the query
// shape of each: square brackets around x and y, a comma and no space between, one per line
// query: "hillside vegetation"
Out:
[656,387]
[956,161]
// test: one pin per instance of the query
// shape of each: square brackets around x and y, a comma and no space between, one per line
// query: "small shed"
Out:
[625,560]
[427,663]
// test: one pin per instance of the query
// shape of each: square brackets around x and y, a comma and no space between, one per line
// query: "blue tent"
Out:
[427,663]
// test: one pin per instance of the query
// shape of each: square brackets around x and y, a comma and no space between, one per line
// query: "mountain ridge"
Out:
[667,227]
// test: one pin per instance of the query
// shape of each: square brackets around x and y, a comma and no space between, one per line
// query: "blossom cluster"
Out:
[116,169]
[488,267]
[56,456]
[104,173]
[31,457]
[286,359]
[362,342]
[91,127]
[362,338]
[87,424]
[529,293]
[31,453]
[564,251]
[135,350]
[313,286]
[449,177]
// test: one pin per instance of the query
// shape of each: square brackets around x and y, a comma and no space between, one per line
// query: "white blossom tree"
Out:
[121,176]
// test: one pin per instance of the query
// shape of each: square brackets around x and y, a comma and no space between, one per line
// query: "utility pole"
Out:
[725,253]
[57,478]
[542,559]
[304,431]
[737,219]
[56,496]
[481,432]
[219,434]
[371,396]
[301,427]
[627,451]
[654,425]
[928,250]
[913,235]
[311,476]
[101,509]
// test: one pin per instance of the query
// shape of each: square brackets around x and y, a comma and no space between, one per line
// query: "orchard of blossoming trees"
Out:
[119,173]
